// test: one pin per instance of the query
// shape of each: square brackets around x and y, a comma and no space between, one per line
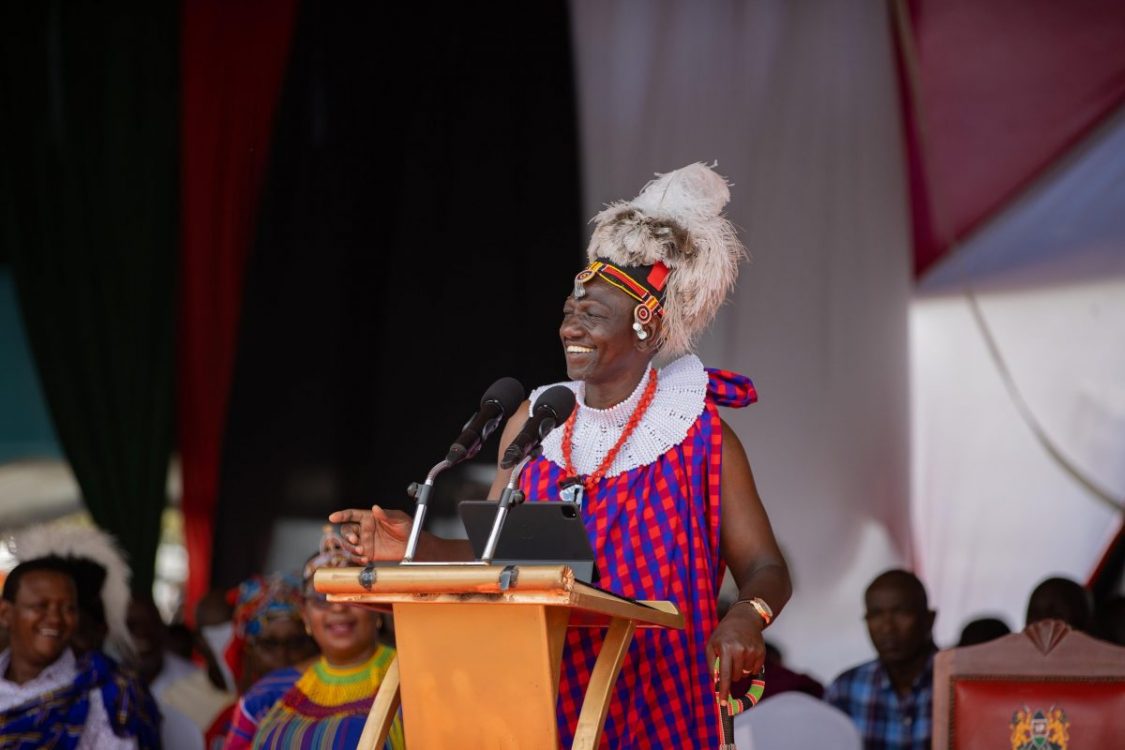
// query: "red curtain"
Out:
[233,59]
[995,93]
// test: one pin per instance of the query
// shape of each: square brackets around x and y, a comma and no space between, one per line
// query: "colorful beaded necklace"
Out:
[328,685]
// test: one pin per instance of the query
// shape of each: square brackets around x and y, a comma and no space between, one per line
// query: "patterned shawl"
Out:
[56,718]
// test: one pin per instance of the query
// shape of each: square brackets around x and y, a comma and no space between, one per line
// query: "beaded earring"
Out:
[641,316]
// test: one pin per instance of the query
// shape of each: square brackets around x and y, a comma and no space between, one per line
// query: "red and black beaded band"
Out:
[645,284]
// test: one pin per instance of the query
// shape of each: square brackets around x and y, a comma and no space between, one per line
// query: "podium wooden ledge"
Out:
[480,649]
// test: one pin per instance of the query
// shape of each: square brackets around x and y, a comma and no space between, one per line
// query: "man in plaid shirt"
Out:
[890,699]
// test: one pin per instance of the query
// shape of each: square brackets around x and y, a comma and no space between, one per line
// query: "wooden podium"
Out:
[479,650]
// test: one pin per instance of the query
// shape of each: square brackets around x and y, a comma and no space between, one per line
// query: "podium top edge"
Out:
[444,578]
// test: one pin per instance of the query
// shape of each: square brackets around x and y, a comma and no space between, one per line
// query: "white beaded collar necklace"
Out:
[677,403]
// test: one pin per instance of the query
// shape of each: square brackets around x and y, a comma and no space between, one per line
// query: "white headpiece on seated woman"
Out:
[95,555]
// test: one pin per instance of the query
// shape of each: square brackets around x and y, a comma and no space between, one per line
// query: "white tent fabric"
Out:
[1007,438]
[797,102]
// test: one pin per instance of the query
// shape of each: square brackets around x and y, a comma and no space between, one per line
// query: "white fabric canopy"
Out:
[1020,447]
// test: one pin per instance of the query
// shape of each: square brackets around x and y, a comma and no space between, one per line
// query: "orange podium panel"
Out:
[479,650]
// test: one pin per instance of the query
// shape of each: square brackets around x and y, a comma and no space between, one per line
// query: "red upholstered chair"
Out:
[1047,688]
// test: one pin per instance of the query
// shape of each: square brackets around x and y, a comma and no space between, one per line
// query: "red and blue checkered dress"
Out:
[655,532]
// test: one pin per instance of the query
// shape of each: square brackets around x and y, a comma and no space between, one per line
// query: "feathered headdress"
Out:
[676,221]
[100,571]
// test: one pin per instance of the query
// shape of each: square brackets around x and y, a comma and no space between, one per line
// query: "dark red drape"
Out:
[996,93]
[233,60]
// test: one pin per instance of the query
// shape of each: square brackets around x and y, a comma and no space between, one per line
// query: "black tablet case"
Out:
[540,533]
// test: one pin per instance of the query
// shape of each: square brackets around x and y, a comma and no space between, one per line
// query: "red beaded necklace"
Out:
[591,481]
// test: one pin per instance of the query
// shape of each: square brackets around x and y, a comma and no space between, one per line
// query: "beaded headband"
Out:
[645,284]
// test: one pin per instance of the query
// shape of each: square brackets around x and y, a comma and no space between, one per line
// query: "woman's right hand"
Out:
[375,534]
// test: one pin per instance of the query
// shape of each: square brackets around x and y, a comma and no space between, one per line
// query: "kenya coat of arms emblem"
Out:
[1043,730]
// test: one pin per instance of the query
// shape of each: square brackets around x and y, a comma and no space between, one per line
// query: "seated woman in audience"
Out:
[324,703]
[268,633]
[49,697]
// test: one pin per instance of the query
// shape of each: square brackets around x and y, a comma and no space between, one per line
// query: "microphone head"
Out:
[552,408]
[507,392]
[559,399]
[500,401]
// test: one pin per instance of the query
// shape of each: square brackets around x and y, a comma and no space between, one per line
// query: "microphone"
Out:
[501,399]
[551,409]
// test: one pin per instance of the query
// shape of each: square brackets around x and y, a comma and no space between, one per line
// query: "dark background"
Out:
[419,229]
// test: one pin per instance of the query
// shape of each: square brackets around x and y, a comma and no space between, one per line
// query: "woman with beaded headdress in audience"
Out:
[267,634]
[323,703]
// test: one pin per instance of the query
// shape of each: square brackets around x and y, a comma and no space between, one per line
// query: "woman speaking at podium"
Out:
[664,484]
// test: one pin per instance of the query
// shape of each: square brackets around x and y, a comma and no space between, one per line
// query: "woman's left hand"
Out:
[738,644]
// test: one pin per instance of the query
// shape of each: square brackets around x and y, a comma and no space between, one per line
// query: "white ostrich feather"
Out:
[92,543]
[695,191]
[677,218]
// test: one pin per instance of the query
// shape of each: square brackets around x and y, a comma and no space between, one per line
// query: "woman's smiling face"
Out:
[598,337]
[42,619]
[345,634]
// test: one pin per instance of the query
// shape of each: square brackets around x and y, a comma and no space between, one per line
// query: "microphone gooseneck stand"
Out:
[421,495]
[509,497]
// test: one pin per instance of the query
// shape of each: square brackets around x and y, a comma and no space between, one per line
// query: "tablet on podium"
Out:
[537,533]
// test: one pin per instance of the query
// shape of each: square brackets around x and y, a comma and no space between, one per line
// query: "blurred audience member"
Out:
[268,633]
[202,695]
[1110,620]
[197,699]
[781,679]
[213,616]
[324,702]
[48,697]
[157,665]
[890,699]
[3,630]
[269,630]
[983,630]
[181,640]
[1061,599]
[161,670]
